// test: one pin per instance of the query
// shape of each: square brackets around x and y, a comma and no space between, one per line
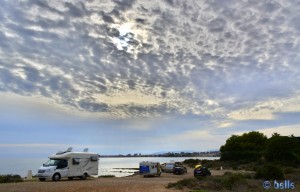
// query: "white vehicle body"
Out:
[150,168]
[69,164]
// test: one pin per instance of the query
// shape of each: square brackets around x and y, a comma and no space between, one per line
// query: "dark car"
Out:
[179,170]
[202,171]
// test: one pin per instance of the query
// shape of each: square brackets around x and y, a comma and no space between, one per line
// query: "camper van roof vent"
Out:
[85,149]
[62,152]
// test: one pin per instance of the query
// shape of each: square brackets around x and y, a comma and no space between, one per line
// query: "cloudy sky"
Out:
[135,76]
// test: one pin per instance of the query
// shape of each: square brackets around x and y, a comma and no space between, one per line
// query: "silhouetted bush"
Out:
[189,183]
[289,170]
[10,178]
[248,147]
[269,172]
[192,162]
[231,180]
[106,176]
[282,149]
[228,181]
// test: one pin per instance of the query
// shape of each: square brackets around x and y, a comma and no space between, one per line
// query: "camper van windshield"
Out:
[54,162]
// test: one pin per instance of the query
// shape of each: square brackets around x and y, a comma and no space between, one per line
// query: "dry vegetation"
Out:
[221,180]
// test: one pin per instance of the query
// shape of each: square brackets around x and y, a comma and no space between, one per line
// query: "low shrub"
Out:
[205,162]
[216,164]
[231,180]
[192,162]
[10,178]
[228,181]
[269,172]
[106,176]
[189,183]
[289,170]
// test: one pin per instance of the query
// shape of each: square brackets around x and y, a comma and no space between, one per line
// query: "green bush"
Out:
[283,149]
[195,184]
[10,178]
[231,180]
[192,162]
[269,172]
[106,176]
[189,183]
[289,170]
[212,163]
[248,147]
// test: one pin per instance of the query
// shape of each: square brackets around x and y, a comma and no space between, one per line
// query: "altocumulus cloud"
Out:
[125,58]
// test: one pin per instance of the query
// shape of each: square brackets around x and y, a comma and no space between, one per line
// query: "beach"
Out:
[114,184]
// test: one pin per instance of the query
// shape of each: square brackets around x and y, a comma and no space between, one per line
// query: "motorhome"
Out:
[69,164]
[148,168]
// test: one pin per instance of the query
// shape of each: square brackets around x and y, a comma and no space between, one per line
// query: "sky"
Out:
[136,76]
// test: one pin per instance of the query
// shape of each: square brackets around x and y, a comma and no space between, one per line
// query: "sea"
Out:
[117,166]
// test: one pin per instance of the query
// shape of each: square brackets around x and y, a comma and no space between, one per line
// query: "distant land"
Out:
[210,153]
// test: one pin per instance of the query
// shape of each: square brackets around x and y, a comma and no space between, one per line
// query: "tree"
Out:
[247,147]
[282,148]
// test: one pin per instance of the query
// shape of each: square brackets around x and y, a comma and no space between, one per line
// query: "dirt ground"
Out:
[131,184]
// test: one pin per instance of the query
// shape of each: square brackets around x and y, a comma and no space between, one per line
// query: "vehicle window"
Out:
[75,161]
[51,162]
[62,164]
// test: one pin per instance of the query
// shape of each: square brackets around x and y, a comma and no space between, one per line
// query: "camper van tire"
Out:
[42,179]
[84,176]
[56,177]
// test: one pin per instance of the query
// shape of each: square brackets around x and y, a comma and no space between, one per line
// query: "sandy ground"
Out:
[132,184]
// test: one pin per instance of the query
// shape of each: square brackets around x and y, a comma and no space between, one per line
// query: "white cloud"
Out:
[198,58]
[282,130]
[266,110]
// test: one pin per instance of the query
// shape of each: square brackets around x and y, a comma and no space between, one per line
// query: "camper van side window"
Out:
[94,158]
[75,161]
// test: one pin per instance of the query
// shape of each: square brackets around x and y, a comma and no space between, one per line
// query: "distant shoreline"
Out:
[188,155]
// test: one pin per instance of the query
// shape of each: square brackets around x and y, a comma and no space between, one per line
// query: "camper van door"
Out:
[62,167]
[76,167]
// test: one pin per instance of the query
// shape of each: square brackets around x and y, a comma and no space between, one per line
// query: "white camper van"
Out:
[150,168]
[69,164]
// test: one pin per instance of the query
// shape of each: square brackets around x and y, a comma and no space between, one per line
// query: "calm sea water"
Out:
[119,167]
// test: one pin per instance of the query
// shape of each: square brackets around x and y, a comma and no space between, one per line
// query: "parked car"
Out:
[169,168]
[179,168]
[201,171]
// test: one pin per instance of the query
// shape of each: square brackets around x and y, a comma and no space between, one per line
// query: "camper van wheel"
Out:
[84,176]
[42,179]
[56,177]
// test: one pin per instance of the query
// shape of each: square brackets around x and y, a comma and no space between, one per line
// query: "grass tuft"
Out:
[10,178]
[106,176]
